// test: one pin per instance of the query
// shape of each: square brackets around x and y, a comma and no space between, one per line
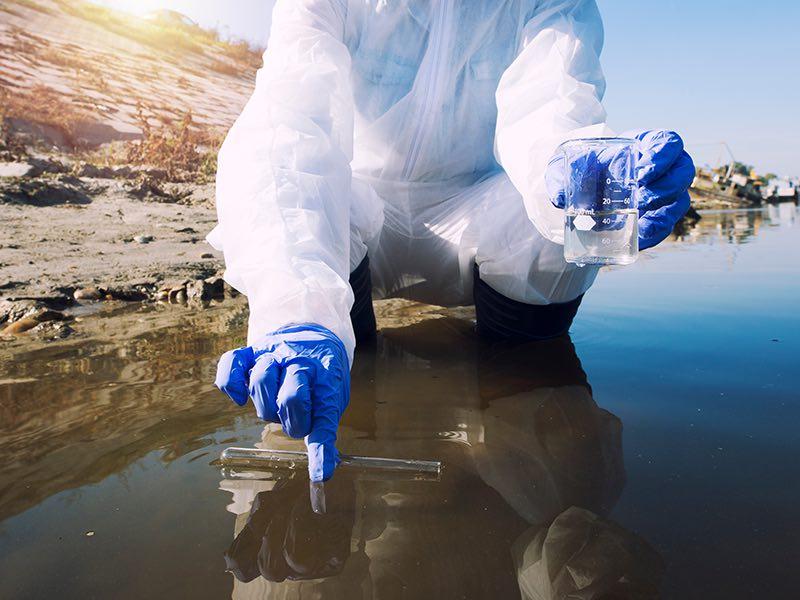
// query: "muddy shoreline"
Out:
[75,234]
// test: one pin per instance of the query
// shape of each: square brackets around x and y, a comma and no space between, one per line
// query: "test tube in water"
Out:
[259,458]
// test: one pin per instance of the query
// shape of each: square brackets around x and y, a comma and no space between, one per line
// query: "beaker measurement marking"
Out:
[600,216]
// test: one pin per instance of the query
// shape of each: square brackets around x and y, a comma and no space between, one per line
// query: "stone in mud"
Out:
[89,293]
[53,330]
[29,322]
[143,239]
[199,291]
[13,310]
[206,289]
[170,290]
[21,326]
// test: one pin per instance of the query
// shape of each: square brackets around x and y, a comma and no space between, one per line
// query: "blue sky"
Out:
[713,70]
[710,69]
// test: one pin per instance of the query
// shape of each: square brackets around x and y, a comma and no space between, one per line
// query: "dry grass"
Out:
[172,141]
[66,59]
[36,39]
[44,106]
[243,53]
[224,67]
[23,45]
[11,149]
[181,149]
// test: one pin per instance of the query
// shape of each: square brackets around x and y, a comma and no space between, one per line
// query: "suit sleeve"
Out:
[283,180]
[550,93]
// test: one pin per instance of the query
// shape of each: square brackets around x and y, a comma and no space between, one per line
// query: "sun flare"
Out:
[136,7]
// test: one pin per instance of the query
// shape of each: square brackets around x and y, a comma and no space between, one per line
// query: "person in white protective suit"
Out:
[399,148]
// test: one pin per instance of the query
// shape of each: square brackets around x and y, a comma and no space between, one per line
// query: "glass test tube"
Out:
[291,459]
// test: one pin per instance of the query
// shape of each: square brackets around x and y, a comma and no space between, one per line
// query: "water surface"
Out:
[653,454]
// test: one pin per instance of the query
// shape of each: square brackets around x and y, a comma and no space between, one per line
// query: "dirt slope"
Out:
[109,127]
[99,75]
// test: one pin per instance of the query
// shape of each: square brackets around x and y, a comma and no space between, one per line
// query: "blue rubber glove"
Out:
[299,377]
[665,172]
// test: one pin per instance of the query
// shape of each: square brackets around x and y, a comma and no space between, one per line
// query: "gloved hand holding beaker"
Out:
[660,168]
[299,377]
[665,171]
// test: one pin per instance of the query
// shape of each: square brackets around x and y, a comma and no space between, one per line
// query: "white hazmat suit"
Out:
[414,131]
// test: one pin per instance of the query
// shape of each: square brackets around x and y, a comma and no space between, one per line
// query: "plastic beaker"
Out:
[601,220]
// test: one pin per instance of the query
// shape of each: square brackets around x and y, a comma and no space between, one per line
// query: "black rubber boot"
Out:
[501,318]
[361,315]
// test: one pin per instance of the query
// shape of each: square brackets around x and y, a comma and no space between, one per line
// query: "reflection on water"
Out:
[738,226]
[72,415]
[284,537]
[113,434]
[522,502]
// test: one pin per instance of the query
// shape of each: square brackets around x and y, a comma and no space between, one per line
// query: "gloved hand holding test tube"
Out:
[298,376]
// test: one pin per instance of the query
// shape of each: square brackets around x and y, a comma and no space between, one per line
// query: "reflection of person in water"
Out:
[521,508]
[556,457]
[274,542]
